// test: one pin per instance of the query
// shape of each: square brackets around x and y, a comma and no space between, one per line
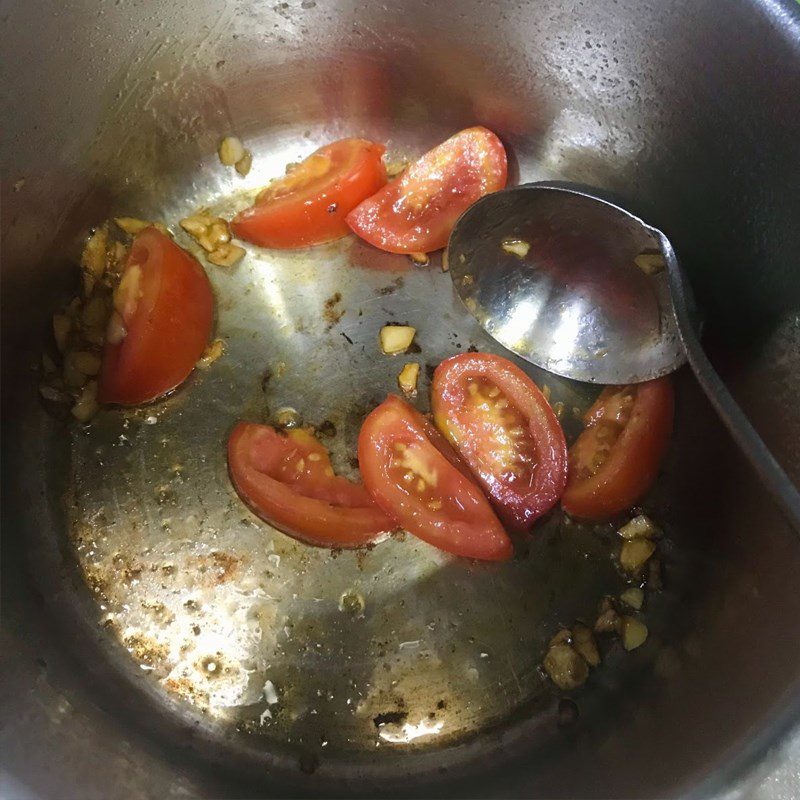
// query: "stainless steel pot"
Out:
[688,111]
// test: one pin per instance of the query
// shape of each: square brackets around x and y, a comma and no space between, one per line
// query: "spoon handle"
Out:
[772,475]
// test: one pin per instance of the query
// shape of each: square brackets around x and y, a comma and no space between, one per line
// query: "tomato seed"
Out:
[472,387]
[314,457]
[494,391]
[301,465]
[421,485]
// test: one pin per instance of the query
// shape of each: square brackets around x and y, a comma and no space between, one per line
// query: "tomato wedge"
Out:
[616,458]
[413,478]
[309,204]
[417,211]
[504,428]
[288,481]
[163,310]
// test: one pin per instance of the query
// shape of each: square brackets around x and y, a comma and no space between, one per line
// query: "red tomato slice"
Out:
[162,320]
[616,458]
[412,479]
[309,205]
[503,426]
[416,212]
[288,481]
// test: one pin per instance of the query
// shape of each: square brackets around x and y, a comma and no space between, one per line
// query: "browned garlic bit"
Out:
[569,656]
[231,150]
[633,633]
[420,259]
[633,597]
[93,259]
[651,262]
[244,164]
[396,167]
[211,354]
[634,554]
[396,338]
[407,379]
[607,619]
[84,326]
[232,153]
[515,247]
[214,235]
[640,527]
[565,666]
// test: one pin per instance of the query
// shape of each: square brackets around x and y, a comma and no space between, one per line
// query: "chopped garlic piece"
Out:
[244,164]
[132,225]
[635,553]
[231,150]
[212,234]
[640,527]
[407,379]
[633,597]
[420,259]
[564,636]
[86,406]
[395,167]
[396,338]
[226,255]
[650,263]
[634,633]
[445,260]
[566,667]
[515,247]
[211,354]
[93,259]
[86,362]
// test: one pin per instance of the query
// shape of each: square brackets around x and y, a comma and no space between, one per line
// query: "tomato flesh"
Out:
[616,458]
[161,323]
[504,428]
[287,480]
[414,481]
[417,211]
[308,205]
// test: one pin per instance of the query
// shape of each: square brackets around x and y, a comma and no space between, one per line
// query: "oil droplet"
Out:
[352,603]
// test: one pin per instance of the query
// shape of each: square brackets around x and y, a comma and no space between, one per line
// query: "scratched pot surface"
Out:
[390,646]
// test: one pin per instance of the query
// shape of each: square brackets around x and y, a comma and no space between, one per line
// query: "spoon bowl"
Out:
[551,272]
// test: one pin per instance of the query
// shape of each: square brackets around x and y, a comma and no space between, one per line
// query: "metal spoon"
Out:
[583,288]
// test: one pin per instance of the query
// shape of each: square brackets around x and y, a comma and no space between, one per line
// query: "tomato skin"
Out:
[512,442]
[413,480]
[168,323]
[274,476]
[310,204]
[629,437]
[416,212]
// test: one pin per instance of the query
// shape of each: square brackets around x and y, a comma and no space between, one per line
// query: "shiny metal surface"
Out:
[118,108]
[576,303]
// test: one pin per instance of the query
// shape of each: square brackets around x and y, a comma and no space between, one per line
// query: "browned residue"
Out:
[332,313]
[145,649]
[186,689]
[216,568]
